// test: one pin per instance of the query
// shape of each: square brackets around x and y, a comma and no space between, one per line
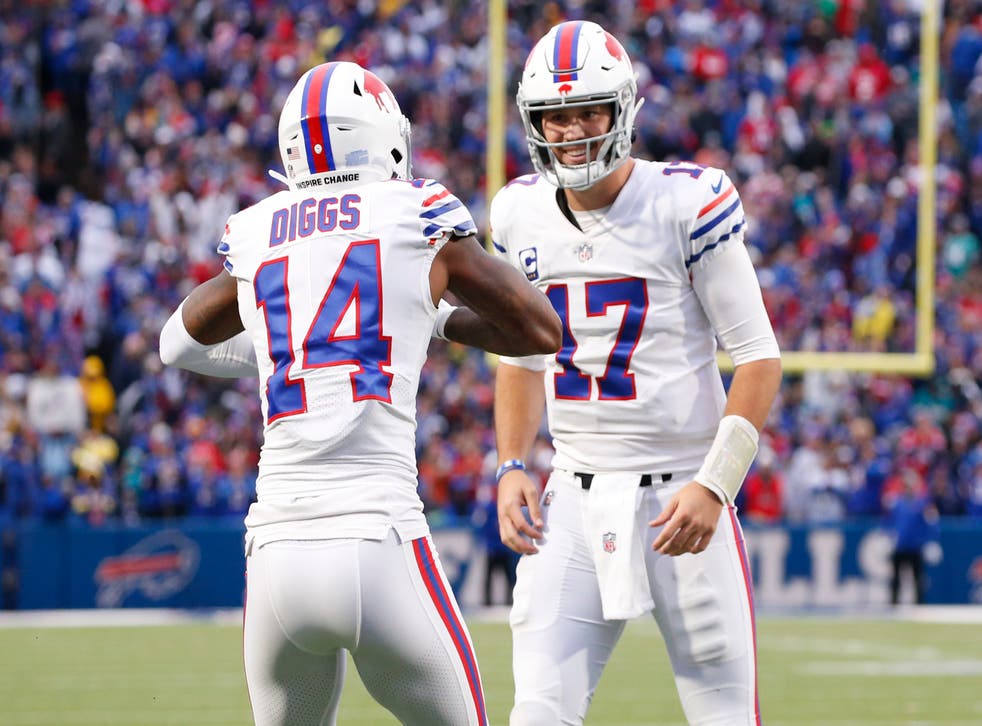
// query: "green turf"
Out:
[814,672]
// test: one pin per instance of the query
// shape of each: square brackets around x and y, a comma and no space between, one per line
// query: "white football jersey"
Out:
[635,386]
[333,288]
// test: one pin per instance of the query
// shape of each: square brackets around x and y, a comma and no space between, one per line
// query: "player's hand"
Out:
[690,519]
[516,490]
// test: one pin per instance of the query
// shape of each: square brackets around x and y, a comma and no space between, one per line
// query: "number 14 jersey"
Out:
[333,289]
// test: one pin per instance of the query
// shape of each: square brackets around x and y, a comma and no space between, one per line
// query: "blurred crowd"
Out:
[129,131]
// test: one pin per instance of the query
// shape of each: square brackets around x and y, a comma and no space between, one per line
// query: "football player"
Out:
[645,264]
[330,288]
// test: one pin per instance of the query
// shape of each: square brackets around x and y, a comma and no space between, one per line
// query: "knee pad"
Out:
[533,713]
[699,627]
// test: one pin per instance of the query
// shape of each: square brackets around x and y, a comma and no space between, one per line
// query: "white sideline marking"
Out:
[942,614]
[848,646]
[968,614]
[139,617]
[216,717]
[120,617]
[870,668]
[878,722]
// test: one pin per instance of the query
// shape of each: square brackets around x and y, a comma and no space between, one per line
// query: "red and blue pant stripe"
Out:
[437,588]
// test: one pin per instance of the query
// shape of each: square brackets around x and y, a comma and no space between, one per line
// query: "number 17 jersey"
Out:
[635,386]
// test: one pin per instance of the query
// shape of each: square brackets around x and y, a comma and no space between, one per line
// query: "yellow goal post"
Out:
[920,362]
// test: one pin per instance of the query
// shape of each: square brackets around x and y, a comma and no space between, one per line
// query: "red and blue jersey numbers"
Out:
[314,216]
[355,289]
[602,297]
[684,167]
[285,397]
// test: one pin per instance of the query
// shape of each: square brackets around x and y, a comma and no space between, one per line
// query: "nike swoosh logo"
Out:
[717,186]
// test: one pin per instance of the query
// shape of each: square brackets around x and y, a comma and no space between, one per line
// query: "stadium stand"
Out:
[129,131]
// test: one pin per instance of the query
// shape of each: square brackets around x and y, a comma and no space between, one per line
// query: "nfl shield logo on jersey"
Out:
[610,542]
[584,253]
[547,499]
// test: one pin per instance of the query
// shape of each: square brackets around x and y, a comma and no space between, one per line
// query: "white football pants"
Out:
[388,603]
[703,607]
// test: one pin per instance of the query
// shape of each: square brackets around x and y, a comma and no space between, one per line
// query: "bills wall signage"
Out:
[157,567]
[201,565]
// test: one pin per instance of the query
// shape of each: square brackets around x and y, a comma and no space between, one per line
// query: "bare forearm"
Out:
[753,389]
[519,399]
[467,327]
[501,303]
[211,313]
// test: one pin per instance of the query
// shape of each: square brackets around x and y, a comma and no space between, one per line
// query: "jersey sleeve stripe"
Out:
[436,197]
[716,202]
[710,225]
[430,214]
[524,182]
[461,230]
[695,258]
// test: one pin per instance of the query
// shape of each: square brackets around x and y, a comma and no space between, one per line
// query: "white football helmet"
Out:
[578,63]
[342,125]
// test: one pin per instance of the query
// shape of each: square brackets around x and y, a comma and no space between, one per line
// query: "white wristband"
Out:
[729,459]
[443,312]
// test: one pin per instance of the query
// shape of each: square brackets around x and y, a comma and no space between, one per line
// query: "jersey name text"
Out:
[303,219]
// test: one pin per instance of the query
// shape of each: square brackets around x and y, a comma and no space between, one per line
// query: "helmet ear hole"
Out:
[396,155]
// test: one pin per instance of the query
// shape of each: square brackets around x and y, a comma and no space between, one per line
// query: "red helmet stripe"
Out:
[564,52]
[313,120]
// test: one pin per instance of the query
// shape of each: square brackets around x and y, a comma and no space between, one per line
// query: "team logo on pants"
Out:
[610,542]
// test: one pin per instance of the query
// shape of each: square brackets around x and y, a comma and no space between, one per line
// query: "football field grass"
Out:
[813,671]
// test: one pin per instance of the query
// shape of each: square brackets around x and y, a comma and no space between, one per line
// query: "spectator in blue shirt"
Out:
[913,519]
